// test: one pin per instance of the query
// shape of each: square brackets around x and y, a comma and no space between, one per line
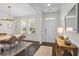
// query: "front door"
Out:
[50,29]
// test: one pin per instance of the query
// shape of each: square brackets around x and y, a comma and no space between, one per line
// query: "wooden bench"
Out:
[44,51]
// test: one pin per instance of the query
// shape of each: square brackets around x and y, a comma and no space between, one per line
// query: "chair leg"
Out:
[16,47]
[2,51]
[10,50]
[20,44]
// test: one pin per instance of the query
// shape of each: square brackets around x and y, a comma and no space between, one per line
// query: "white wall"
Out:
[64,9]
[33,37]
[17,27]
[4,27]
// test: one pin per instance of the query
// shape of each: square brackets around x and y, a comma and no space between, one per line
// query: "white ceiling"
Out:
[24,9]
[17,9]
[45,8]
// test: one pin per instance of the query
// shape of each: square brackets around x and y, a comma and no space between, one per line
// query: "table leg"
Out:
[75,52]
[59,51]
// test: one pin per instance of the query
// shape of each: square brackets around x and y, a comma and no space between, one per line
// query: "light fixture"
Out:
[9,7]
[60,30]
[49,4]
[50,18]
[9,17]
[69,29]
[9,25]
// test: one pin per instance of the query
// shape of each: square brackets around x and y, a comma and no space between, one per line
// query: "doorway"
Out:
[50,29]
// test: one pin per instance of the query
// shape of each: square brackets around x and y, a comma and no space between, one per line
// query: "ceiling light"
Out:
[9,17]
[49,4]
[50,18]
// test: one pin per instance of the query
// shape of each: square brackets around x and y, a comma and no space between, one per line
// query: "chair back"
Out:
[3,33]
[13,39]
[3,42]
[22,36]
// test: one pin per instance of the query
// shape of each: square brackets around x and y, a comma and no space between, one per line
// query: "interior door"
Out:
[50,31]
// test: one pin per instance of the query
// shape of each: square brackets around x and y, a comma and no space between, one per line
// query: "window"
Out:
[32,26]
[28,26]
[24,27]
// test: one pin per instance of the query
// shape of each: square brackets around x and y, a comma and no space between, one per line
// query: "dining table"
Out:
[4,37]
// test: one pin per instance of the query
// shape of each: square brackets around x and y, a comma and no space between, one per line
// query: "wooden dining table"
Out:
[4,37]
[7,37]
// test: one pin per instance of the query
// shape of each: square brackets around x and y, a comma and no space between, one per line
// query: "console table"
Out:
[60,45]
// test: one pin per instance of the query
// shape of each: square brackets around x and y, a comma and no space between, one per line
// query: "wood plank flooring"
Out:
[32,49]
[44,51]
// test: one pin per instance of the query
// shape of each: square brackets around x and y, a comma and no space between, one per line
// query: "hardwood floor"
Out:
[30,51]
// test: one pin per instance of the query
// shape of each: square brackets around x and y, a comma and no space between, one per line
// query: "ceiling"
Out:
[16,10]
[45,8]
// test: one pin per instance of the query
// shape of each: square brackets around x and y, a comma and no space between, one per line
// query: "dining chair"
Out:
[11,43]
[21,39]
[3,33]
[1,49]
[24,36]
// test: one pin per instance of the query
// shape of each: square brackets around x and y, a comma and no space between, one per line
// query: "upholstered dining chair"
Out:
[3,33]
[24,36]
[21,39]
[11,43]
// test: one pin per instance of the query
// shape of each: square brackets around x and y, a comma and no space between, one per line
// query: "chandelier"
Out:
[9,17]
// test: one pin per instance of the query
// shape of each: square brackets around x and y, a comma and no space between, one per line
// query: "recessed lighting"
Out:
[48,4]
